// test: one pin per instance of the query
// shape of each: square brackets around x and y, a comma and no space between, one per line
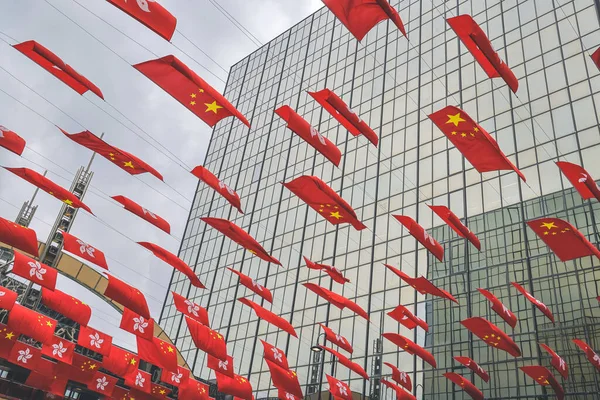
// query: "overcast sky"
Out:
[104,55]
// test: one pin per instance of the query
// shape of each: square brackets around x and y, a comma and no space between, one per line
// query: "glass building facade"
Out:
[394,84]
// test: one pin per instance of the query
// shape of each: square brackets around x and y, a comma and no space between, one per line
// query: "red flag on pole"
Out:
[345,361]
[11,141]
[211,180]
[411,348]
[400,376]
[190,309]
[207,340]
[544,377]
[81,249]
[137,324]
[151,14]
[60,349]
[270,317]
[581,180]
[591,355]
[563,238]
[143,213]
[337,339]
[337,300]
[419,233]
[174,262]
[31,323]
[454,222]
[408,319]
[67,305]
[94,340]
[491,335]
[465,384]
[19,237]
[275,355]
[422,285]
[127,296]
[473,366]
[557,361]
[500,308]
[541,306]
[254,286]
[332,271]
[33,270]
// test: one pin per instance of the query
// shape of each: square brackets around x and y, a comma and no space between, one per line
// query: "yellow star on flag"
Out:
[9,335]
[192,103]
[455,119]
[548,225]
[214,107]
[49,323]
[128,164]
[68,202]
[336,215]
[193,95]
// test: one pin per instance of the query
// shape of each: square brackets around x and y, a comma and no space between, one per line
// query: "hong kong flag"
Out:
[596,58]
[544,377]
[103,383]
[408,319]
[254,286]
[143,213]
[207,340]
[11,141]
[337,339]
[31,323]
[175,378]
[174,262]
[337,300]
[581,180]
[151,14]
[127,296]
[339,389]
[93,339]
[563,238]
[25,356]
[175,78]
[310,134]
[67,305]
[591,355]
[284,379]
[454,222]
[422,285]
[465,384]
[332,271]
[400,376]
[473,366]
[401,394]
[270,317]
[224,367]
[60,349]
[81,249]
[137,324]
[557,361]
[19,237]
[33,270]
[345,361]
[411,348]
[8,298]
[491,335]
[140,380]
[500,308]
[275,355]
[419,233]
[541,306]
[211,180]
[237,386]
[190,309]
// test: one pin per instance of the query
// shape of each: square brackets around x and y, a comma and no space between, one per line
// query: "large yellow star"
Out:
[548,225]
[9,335]
[214,107]
[455,119]
[336,215]
[68,202]
[49,323]
[128,164]
[162,391]
[170,349]
[132,361]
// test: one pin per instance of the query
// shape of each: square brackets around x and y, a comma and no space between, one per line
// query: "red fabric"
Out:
[157,352]
[120,362]
[345,361]
[284,379]
[7,298]
[275,355]
[408,319]
[541,306]
[400,376]
[591,355]
[474,143]
[283,395]
[336,339]
[137,324]
[175,78]
[174,262]
[190,309]
[457,226]
[270,317]
[19,237]
[82,370]
[557,361]
[332,271]
[563,238]
[241,237]
[143,213]
[254,286]
[596,58]
[94,340]
[175,378]
[34,271]
[67,305]
[422,285]
[24,355]
[472,36]
[401,394]
[31,323]
[309,134]
[500,308]
[419,233]
[339,389]
[59,349]
[581,180]
[465,384]
[103,383]
[337,300]
[410,347]
[207,340]
[159,392]
[11,141]
[220,366]
[544,377]
[360,16]
[238,386]
[344,114]
[8,337]
[193,390]
[491,335]
[49,187]
[473,366]
[211,180]
[127,295]
[81,249]
[45,378]
[140,380]
[151,14]
[57,67]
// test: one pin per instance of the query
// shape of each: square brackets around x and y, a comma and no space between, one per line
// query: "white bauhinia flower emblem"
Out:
[403,376]
[101,383]
[428,238]
[2,293]
[176,377]
[58,349]
[85,248]
[340,338]
[140,324]
[36,270]
[342,389]
[289,396]
[150,213]
[257,285]
[223,365]
[24,356]
[96,341]
[143,4]
[2,130]
[314,132]
[139,380]
[583,178]
[596,358]
[224,186]
[192,308]
[351,111]
[277,354]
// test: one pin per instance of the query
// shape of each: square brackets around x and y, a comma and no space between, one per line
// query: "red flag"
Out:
[157,352]
[94,340]
[344,114]
[57,67]
[477,42]
[339,389]
[25,356]
[140,380]
[596,57]
[82,370]
[122,159]
[310,134]
[19,237]
[332,271]
[241,237]
[321,198]
[8,298]
[360,16]
[207,340]
[337,300]
[454,222]
[422,285]
[224,367]
[254,286]
[60,349]
[544,377]
[11,141]
[31,323]
[8,337]
[465,384]
[49,187]
[175,78]
[422,236]
[238,386]
[174,262]
[345,361]
[500,308]
[143,213]
[474,143]
[137,324]
[557,361]
[151,14]
[190,309]
[211,180]
[34,271]
[401,394]
[81,249]
[336,339]
[491,335]
[120,362]
[44,377]
[591,355]
[160,392]
[103,383]
[175,378]
[581,180]
[275,355]
[270,317]
[563,238]
[541,306]
[193,390]
[400,376]
[473,366]
[66,305]
[284,379]
[127,296]
[410,347]
[408,319]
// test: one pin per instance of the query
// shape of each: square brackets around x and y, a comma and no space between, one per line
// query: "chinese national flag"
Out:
[581,180]
[591,355]
[563,238]
[60,349]
[159,392]
[457,226]
[284,379]
[82,370]
[82,249]
[596,58]
[34,271]
[8,298]
[66,305]
[158,352]
[422,285]
[310,134]
[151,14]
[120,362]
[8,338]
[193,390]
[11,141]
[541,306]
[238,386]
[220,366]
[345,361]
[544,377]
[137,324]
[175,78]
[190,309]
[401,394]
[500,308]
[175,378]
[143,213]
[140,380]
[337,339]
[321,198]
[473,366]
[127,296]
[465,384]
[332,271]
[411,348]
[270,317]
[491,335]
[94,340]
[211,180]
[419,233]
[360,16]
[254,286]
[103,383]
[275,355]
[339,389]
[207,340]
[337,300]
[49,187]
[31,323]
[408,319]
[174,262]
[557,361]
[401,377]
[472,36]
[474,143]
[19,237]
[25,356]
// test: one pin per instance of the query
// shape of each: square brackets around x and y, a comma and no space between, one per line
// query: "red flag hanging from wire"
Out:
[337,300]
[143,213]
[544,377]
[193,390]
[211,180]
[11,141]
[33,270]
[275,355]
[8,337]
[422,285]
[345,361]
[581,180]
[401,394]
[220,366]
[67,305]
[557,361]
[190,309]
[270,317]
[31,323]
[207,340]
[151,14]
[19,237]
[93,339]
[127,295]
[465,384]
[591,355]
[254,286]
[103,383]
[8,298]
[84,250]
[137,324]
[411,348]
[157,352]
[491,335]
[25,356]
[332,271]
[59,349]
[238,386]
[473,366]
[407,318]
[457,226]
[175,378]
[120,362]
[339,389]
[401,377]
[140,380]
[500,308]
[563,238]
[174,262]
[419,233]
[541,306]
[284,379]
[337,339]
